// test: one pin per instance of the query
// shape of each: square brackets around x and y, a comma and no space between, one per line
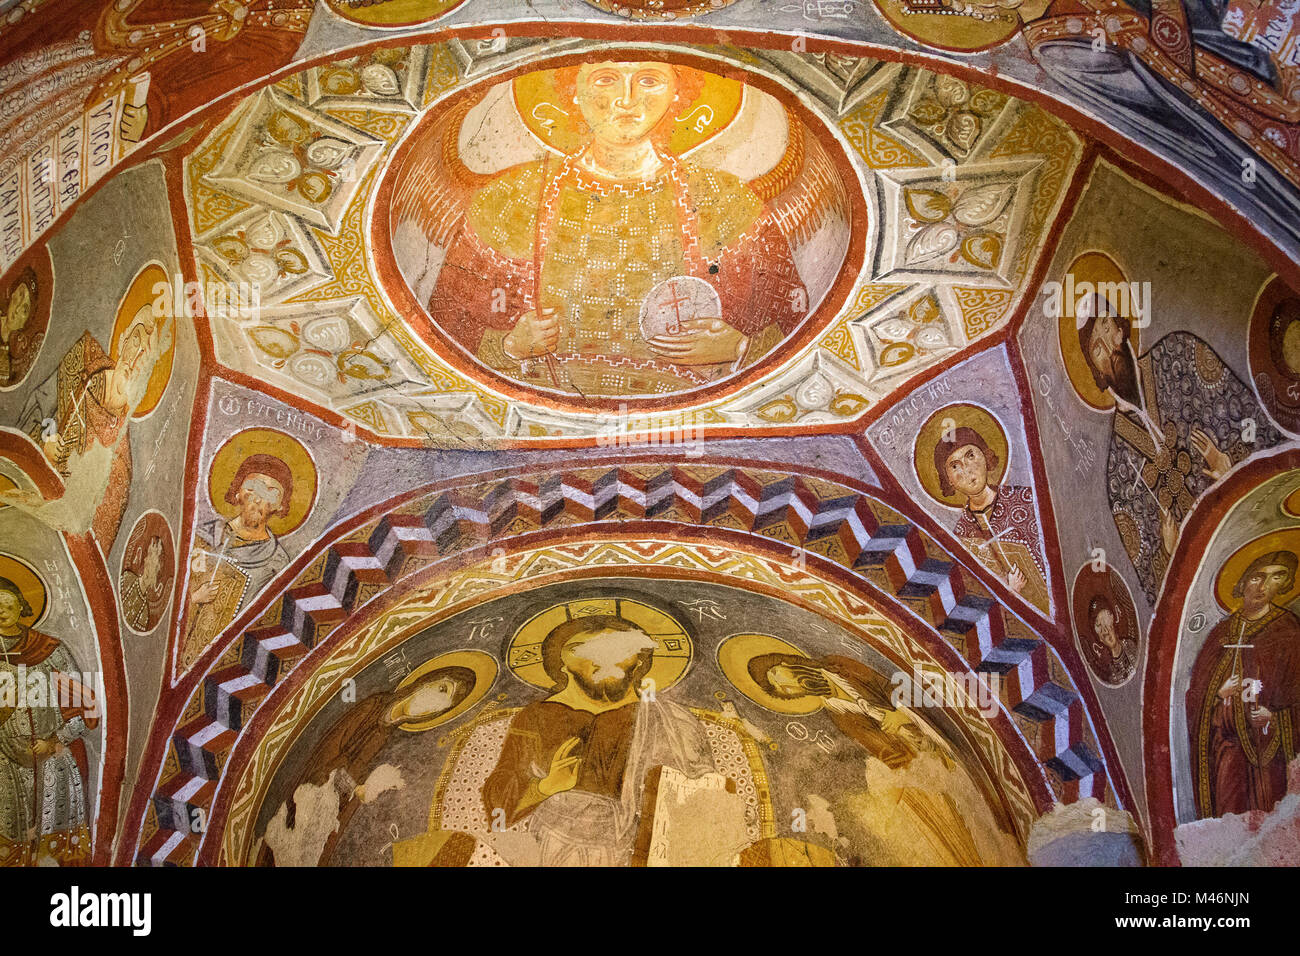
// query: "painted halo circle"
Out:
[393,13]
[734,655]
[265,441]
[484,668]
[673,645]
[151,599]
[1291,504]
[28,289]
[1274,353]
[961,415]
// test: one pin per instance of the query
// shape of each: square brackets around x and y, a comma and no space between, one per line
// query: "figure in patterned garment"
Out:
[546,276]
[1182,421]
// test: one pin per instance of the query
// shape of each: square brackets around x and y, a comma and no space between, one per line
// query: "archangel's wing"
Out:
[803,191]
[435,188]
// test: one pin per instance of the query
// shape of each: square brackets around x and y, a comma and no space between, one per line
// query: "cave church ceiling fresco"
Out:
[476,433]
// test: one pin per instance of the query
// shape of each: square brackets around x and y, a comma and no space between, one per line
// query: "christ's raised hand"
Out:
[563,774]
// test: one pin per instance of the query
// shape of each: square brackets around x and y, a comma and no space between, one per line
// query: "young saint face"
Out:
[1264,585]
[1104,627]
[968,471]
[623,102]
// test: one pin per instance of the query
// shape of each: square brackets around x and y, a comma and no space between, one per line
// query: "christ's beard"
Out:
[610,689]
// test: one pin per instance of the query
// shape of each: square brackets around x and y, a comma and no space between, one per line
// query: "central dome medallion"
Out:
[619,227]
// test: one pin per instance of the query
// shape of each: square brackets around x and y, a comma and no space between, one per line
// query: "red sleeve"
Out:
[107,520]
[478,289]
[758,282]
[1198,684]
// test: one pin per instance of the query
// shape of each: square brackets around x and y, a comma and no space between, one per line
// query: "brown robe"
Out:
[1235,766]
[537,732]
[351,745]
[890,749]
[893,750]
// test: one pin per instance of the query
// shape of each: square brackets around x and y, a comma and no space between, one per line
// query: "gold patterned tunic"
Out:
[602,246]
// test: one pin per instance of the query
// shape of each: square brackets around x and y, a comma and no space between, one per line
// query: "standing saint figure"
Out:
[1182,420]
[575,764]
[546,274]
[43,769]
[1243,703]
[998,523]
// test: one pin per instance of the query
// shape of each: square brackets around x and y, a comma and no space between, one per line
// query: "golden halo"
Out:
[138,298]
[1286,539]
[948,31]
[29,583]
[1291,504]
[1091,267]
[673,650]
[734,655]
[485,675]
[963,415]
[264,441]
[393,13]
[556,123]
